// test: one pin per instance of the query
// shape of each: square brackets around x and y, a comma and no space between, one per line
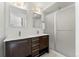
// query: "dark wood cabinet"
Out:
[27,47]
[35,46]
[43,42]
[18,48]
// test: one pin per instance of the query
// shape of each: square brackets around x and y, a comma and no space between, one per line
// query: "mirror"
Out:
[16,21]
[37,23]
[17,17]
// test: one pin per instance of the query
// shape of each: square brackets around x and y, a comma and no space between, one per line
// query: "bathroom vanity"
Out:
[30,46]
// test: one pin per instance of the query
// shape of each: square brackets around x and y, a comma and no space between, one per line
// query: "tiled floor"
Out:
[48,55]
[52,54]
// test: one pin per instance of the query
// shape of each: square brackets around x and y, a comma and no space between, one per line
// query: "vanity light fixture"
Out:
[18,4]
[36,9]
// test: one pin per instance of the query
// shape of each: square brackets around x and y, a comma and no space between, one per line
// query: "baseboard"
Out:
[57,53]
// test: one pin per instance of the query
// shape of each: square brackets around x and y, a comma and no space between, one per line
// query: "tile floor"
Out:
[52,54]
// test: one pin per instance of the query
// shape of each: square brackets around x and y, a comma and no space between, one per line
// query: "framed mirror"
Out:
[37,20]
[15,20]
[17,17]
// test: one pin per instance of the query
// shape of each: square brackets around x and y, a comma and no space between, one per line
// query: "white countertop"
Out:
[29,36]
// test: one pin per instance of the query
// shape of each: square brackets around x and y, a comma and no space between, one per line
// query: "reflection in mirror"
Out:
[37,20]
[16,21]
[17,17]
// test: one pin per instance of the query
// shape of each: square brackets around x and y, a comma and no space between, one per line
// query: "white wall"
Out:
[49,29]
[28,29]
[2,30]
[64,30]
[77,29]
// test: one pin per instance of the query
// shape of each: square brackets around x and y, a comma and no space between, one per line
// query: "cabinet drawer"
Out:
[35,47]
[35,42]
[35,50]
[35,39]
[35,54]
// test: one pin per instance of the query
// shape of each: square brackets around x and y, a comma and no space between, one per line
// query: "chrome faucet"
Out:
[19,33]
[37,31]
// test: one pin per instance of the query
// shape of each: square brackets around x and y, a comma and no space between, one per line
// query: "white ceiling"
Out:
[43,5]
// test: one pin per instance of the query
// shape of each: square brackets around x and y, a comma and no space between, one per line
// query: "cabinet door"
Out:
[18,48]
[44,42]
